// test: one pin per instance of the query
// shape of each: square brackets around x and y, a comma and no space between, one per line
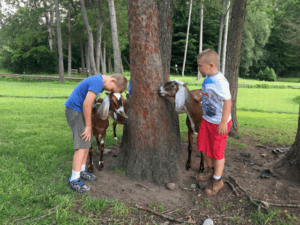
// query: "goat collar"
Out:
[180,96]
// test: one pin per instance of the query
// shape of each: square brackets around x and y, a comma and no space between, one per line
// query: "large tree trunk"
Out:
[70,44]
[187,37]
[59,42]
[289,166]
[199,75]
[233,56]
[82,58]
[99,31]
[225,37]
[150,145]
[91,39]
[114,34]
[221,34]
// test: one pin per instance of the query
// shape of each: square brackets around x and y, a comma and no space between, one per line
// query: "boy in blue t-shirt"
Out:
[79,113]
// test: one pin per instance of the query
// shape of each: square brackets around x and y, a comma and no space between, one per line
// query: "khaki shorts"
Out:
[76,122]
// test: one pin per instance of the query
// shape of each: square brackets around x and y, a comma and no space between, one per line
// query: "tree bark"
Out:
[59,42]
[114,34]
[225,37]
[187,37]
[150,145]
[199,75]
[109,62]
[70,44]
[103,60]
[91,39]
[221,35]
[233,56]
[82,58]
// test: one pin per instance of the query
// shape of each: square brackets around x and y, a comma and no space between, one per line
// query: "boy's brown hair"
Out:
[121,81]
[209,56]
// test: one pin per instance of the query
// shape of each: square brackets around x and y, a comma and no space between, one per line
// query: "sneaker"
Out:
[78,185]
[206,175]
[87,176]
[214,187]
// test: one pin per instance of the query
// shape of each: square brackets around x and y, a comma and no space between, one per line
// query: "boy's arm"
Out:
[87,113]
[222,128]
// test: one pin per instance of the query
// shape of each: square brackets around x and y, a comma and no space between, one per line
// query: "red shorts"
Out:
[210,141]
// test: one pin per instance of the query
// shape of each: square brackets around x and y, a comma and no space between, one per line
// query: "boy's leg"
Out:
[219,167]
[203,146]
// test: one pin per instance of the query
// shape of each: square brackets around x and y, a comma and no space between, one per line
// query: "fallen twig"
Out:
[160,214]
[250,198]
[144,186]
[171,211]
[267,204]
[234,189]
[54,208]
[189,189]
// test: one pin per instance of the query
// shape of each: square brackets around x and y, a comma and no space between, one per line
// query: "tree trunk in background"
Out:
[87,58]
[233,56]
[221,34]
[103,60]
[109,62]
[59,42]
[225,37]
[199,75]
[150,146]
[187,37]
[82,58]
[165,27]
[114,34]
[289,165]
[70,44]
[90,41]
[99,31]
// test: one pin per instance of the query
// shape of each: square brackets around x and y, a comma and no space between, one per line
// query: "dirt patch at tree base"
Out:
[243,173]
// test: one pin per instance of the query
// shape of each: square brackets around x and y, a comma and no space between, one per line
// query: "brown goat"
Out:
[112,103]
[191,103]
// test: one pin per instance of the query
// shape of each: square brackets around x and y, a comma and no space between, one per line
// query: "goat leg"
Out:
[201,168]
[190,149]
[101,148]
[91,164]
[114,128]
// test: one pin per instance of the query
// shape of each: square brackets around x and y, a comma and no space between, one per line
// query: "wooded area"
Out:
[99,37]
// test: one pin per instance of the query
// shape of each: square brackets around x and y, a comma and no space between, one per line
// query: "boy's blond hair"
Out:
[121,81]
[209,56]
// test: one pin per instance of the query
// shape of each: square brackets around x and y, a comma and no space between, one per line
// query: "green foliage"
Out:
[260,75]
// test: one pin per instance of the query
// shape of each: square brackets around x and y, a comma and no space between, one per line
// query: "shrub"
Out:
[260,75]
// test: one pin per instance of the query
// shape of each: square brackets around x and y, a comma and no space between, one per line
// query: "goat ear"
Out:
[104,108]
[179,98]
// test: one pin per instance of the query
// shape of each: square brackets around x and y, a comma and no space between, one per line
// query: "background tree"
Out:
[151,142]
[59,42]
[225,37]
[199,75]
[70,39]
[233,56]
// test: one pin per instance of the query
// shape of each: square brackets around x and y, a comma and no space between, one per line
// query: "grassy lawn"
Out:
[36,148]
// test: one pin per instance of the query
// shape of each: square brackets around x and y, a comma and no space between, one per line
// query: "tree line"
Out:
[94,36]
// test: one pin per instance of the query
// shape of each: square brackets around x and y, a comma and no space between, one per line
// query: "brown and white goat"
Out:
[191,103]
[119,119]
[112,103]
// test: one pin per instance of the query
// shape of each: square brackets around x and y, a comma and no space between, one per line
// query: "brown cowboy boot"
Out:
[206,175]
[214,187]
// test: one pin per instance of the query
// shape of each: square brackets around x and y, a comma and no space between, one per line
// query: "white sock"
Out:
[217,178]
[82,168]
[75,175]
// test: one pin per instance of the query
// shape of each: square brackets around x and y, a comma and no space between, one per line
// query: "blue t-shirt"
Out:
[129,87]
[77,97]
[215,90]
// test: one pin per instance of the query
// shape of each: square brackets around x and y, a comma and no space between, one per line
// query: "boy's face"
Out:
[204,68]
[111,86]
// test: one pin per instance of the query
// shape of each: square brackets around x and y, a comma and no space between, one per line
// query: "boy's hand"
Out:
[86,135]
[222,128]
